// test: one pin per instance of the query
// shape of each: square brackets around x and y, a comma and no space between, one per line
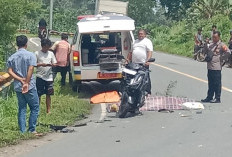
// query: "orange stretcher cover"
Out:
[107,97]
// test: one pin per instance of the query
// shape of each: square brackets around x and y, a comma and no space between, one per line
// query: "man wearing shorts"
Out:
[44,81]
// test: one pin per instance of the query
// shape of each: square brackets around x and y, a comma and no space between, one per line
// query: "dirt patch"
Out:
[26,146]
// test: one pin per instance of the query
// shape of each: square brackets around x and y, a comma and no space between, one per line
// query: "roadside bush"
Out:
[66,109]
[179,38]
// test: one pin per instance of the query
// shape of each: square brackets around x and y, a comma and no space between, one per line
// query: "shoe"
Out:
[214,101]
[206,100]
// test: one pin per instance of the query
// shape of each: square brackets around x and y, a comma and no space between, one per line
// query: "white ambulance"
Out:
[98,46]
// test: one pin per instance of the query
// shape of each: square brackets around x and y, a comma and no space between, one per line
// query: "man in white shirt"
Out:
[142,52]
[44,75]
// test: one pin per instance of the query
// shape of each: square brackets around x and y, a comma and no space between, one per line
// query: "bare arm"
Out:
[196,40]
[15,76]
[25,87]
[29,74]
[149,55]
[129,56]
[1,78]
[54,46]
[41,65]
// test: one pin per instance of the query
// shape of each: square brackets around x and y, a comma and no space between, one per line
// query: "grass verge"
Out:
[66,109]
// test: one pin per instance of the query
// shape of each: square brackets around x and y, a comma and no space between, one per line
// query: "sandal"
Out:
[37,134]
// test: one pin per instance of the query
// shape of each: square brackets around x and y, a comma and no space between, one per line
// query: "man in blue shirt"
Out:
[20,67]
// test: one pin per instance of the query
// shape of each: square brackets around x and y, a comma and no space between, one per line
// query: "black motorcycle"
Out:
[134,84]
[201,53]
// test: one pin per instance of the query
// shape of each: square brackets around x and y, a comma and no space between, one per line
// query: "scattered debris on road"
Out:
[80,125]
[165,111]
[66,130]
[199,112]
[112,108]
[184,115]
[104,120]
[200,146]
[57,127]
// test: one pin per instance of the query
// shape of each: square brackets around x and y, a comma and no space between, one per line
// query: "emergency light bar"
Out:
[84,16]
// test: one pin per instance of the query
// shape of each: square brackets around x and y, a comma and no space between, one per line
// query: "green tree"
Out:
[176,9]
[64,15]
[11,12]
[210,8]
[142,11]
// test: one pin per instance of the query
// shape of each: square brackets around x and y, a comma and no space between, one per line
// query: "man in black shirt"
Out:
[42,31]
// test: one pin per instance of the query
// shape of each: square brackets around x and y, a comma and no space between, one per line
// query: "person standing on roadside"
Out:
[220,52]
[214,29]
[142,52]
[198,41]
[42,29]
[61,50]
[21,66]
[44,76]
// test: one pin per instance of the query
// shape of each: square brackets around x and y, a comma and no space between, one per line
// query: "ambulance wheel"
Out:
[76,86]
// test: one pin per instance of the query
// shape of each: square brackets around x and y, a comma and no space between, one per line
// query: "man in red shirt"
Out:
[61,50]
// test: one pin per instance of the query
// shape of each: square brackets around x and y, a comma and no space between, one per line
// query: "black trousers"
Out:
[63,71]
[214,84]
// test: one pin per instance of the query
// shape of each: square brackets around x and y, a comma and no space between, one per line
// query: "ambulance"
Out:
[97,48]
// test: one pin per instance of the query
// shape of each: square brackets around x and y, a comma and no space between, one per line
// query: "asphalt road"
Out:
[157,134]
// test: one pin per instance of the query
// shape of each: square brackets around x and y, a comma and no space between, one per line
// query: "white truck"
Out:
[98,46]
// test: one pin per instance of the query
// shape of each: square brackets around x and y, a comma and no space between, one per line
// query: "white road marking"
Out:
[31,40]
[103,112]
[188,75]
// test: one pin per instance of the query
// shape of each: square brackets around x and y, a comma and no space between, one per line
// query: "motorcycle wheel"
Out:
[201,57]
[124,107]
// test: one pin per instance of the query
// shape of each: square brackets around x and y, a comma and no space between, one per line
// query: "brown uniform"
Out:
[221,54]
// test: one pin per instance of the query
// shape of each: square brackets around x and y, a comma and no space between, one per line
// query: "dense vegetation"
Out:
[18,14]
[174,23]
[66,109]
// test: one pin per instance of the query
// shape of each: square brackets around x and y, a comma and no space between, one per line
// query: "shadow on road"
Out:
[89,89]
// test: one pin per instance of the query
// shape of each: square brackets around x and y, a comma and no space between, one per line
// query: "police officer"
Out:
[220,51]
